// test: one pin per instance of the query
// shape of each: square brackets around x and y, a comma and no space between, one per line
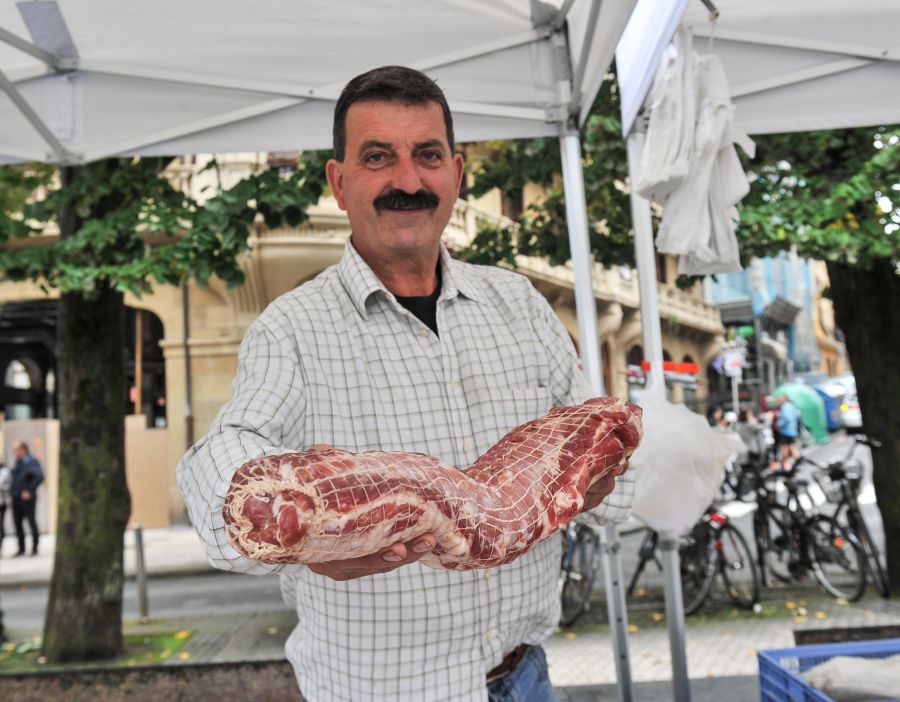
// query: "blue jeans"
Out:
[529,682]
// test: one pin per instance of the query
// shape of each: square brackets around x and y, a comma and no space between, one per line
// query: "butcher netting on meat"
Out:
[326,504]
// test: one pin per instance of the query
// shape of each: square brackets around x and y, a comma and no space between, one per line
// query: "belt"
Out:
[509,663]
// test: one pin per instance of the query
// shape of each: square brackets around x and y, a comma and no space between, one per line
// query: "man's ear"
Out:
[459,163]
[334,171]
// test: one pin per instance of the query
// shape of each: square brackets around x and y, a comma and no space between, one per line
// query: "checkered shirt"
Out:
[338,361]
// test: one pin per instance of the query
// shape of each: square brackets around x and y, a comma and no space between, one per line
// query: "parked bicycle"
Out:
[578,570]
[714,548]
[793,539]
[842,487]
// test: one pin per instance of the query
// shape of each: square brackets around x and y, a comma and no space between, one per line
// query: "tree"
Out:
[831,196]
[541,231]
[122,227]
[835,196]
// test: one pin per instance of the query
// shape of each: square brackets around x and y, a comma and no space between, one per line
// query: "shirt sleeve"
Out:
[263,417]
[572,388]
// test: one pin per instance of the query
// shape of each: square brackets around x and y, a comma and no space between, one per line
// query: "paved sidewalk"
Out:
[171,551]
[721,647]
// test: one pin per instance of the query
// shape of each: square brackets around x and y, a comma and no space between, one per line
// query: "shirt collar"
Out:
[360,281]
[457,278]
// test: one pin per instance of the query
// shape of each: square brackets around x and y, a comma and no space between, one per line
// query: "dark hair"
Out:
[387,84]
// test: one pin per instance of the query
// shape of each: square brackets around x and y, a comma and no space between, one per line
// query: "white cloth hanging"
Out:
[669,142]
[690,165]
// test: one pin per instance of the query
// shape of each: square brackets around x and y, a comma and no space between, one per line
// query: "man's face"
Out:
[19,451]
[398,181]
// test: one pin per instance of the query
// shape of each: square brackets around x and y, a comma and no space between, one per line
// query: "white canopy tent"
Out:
[793,65]
[82,80]
[86,79]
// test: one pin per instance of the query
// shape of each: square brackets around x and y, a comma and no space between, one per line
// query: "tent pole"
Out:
[645,260]
[586,307]
[681,687]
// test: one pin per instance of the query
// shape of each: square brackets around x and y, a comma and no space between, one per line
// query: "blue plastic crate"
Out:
[779,669]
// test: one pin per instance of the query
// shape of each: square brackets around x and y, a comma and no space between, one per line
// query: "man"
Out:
[399,347]
[788,427]
[26,476]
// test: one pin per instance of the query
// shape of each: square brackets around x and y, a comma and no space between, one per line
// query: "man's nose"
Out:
[405,175]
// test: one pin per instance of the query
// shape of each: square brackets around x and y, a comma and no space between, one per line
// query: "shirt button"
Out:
[467,447]
[491,634]
[424,332]
[488,574]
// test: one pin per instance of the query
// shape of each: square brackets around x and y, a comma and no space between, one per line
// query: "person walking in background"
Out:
[715,416]
[788,426]
[26,476]
[5,499]
[752,434]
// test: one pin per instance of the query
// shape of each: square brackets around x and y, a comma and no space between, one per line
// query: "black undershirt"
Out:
[424,307]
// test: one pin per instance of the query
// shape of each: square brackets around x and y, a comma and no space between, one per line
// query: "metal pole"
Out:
[652,333]
[675,617]
[188,384]
[141,573]
[582,260]
[138,361]
[645,261]
[586,307]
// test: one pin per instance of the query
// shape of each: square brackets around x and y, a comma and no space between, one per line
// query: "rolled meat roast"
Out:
[326,504]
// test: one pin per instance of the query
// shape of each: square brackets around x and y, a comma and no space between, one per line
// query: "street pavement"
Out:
[237,618]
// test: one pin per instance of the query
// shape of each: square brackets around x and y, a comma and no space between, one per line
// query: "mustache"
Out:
[399,200]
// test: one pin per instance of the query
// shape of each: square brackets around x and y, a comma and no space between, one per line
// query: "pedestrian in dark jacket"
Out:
[26,476]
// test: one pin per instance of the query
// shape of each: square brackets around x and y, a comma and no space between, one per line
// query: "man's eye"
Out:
[431,155]
[375,158]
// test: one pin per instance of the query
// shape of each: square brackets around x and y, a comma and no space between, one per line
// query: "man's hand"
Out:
[598,491]
[26,495]
[384,561]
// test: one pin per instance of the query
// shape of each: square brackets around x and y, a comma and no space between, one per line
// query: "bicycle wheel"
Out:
[697,558]
[779,550]
[873,560]
[579,578]
[736,566]
[838,561]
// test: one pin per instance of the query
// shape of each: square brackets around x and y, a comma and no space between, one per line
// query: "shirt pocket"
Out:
[496,411]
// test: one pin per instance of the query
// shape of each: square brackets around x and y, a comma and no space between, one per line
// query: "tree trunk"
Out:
[84,610]
[867,309]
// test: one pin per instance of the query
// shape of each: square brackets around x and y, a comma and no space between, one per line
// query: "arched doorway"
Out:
[689,392]
[145,368]
[637,379]
[28,359]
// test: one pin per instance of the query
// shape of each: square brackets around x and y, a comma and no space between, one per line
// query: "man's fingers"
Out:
[394,554]
[388,559]
[424,544]
[599,490]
